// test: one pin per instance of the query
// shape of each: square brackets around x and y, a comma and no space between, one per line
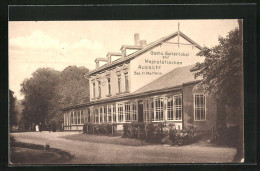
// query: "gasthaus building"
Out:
[147,83]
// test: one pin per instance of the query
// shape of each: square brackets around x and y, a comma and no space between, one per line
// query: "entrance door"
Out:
[140,111]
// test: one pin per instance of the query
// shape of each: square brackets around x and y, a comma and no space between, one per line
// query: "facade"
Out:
[147,83]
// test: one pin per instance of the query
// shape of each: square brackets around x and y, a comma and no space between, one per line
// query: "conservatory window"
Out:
[96,116]
[146,110]
[109,113]
[158,109]
[134,111]
[101,114]
[114,112]
[120,112]
[127,112]
[105,113]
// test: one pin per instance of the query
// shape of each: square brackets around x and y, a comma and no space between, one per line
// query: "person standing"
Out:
[37,128]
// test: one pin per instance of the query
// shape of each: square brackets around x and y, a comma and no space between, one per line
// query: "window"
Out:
[152,110]
[94,91]
[119,83]
[170,108]
[78,117]
[71,118]
[109,86]
[199,107]
[158,109]
[101,114]
[105,113]
[174,107]
[134,111]
[85,114]
[88,112]
[81,117]
[146,110]
[126,82]
[127,112]
[114,113]
[178,107]
[96,116]
[99,88]
[109,113]
[120,113]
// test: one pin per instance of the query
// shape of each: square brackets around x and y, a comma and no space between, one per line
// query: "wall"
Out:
[113,81]
[188,110]
[180,56]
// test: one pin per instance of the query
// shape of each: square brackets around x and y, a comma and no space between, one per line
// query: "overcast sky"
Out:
[59,44]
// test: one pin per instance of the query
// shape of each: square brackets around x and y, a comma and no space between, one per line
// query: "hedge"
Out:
[102,129]
[158,133]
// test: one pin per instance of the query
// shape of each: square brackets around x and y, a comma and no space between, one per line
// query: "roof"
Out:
[144,49]
[171,81]
[176,77]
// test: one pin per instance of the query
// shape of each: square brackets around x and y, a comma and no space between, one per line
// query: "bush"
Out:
[154,132]
[102,129]
[158,133]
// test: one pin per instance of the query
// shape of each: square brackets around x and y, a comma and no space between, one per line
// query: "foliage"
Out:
[222,69]
[180,137]
[12,109]
[100,129]
[38,92]
[47,91]
[226,136]
[158,133]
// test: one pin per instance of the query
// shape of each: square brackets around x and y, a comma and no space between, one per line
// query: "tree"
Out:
[49,90]
[12,109]
[222,74]
[222,69]
[72,89]
[38,92]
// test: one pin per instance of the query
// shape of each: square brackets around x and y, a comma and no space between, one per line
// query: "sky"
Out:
[59,44]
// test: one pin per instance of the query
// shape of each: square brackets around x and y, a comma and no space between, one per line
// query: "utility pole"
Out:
[178,34]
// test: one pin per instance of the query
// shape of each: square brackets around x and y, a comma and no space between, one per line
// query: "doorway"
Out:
[140,111]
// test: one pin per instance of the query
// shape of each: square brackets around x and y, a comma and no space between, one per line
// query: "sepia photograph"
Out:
[126,92]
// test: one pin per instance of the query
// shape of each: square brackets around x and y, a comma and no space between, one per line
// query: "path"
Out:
[94,153]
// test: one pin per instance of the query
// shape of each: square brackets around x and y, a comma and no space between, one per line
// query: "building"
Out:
[147,83]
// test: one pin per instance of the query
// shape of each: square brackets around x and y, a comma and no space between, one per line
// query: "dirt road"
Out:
[101,153]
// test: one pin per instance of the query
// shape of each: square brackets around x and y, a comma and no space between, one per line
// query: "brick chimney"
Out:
[143,43]
[136,37]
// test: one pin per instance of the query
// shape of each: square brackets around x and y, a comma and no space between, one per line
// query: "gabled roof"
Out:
[144,49]
[176,77]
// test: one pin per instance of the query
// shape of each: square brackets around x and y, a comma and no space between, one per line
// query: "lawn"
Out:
[25,153]
[106,139]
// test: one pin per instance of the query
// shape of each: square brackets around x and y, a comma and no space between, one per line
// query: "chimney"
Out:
[136,36]
[97,63]
[143,43]
[109,58]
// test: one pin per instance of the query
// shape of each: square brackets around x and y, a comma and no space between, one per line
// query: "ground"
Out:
[87,151]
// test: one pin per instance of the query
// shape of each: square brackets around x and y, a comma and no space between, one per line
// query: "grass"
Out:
[106,139]
[25,153]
